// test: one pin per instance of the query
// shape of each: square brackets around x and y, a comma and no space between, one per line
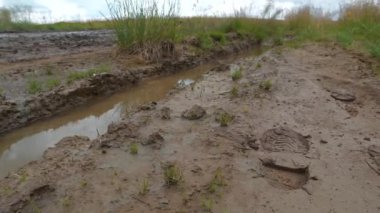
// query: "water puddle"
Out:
[28,144]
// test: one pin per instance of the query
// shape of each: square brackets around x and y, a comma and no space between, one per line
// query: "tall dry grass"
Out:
[358,25]
[148,27]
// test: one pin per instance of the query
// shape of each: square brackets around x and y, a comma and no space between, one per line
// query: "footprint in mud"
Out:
[282,176]
[343,96]
[37,198]
[283,139]
[374,153]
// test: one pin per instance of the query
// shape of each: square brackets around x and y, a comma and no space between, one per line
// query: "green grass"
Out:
[237,74]
[344,38]
[144,187]
[207,204]
[34,87]
[173,175]
[357,28]
[218,181]
[374,49]
[134,149]
[150,28]
[146,27]
[1,91]
[234,92]
[83,183]
[52,83]
[49,70]
[266,85]
[79,75]
[218,37]
[206,42]
[225,119]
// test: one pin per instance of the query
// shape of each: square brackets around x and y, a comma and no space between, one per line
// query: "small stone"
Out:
[323,142]
[367,139]
[195,113]
[164,201]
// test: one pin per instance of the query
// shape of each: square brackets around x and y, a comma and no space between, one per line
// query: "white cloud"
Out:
[90,9]
[64,10]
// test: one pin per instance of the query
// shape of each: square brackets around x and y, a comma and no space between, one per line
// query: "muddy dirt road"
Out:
[298,132]
[16,47]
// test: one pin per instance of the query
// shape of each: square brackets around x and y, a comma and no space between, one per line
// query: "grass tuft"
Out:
[173,175]
[266,85]
[144,187]
[207,204]
[134,149]
[218,181]
[225,119]
[79,75]
[34,87]
[52,83]
[236,74]
[234,91]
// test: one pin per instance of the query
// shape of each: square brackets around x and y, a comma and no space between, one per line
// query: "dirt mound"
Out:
[196,112]
[284,140]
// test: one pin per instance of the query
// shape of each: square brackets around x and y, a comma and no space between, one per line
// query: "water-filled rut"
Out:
[28,144]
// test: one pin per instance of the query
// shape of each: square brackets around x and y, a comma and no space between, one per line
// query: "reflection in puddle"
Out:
[25,150]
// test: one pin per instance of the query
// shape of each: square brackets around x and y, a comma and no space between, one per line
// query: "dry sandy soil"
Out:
[299,132]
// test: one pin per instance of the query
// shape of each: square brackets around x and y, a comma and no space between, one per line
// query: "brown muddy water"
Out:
[28,144]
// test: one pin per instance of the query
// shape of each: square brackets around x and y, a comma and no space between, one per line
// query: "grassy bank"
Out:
[151,28]
[357,26]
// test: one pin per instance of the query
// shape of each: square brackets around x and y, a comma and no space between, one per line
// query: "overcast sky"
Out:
[60,10]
